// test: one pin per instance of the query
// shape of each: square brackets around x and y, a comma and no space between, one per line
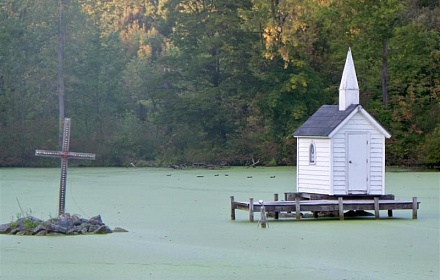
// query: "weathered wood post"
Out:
[277,214]
[414,208]
[297,208]
[263,218]
[251,209]
[341,208]
[376,208]
[232,208]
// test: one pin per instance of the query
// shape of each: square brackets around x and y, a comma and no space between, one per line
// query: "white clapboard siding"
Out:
[376,154]
[313,178]
[339,179]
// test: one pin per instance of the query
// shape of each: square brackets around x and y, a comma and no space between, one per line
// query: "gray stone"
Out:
[118,229]
[5,228]
[41,233]
[96,220]
[93,228]
[85,226]
[65,224]
[65,221]
[38,228]
[103,230]
[57,228]
[76,220]
[72,232]
[28,223]
[77,229]
[65,216]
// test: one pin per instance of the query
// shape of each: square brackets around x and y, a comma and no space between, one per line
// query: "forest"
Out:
[221,82]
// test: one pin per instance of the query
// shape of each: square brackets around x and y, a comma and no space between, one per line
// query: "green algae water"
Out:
[179,228]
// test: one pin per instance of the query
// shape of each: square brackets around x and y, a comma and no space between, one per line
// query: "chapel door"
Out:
[357,163]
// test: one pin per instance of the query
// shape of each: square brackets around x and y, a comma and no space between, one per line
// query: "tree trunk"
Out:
[385,73]
[60,77]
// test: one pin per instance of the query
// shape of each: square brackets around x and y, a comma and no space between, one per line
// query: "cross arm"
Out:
[47,153]
[74,155]
[81,155]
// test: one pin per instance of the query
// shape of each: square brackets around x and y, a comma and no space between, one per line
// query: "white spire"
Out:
[349,88]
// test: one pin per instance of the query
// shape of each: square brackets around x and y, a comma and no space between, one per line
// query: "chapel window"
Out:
[312,153]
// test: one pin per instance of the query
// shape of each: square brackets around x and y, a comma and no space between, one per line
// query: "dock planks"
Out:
[336,205]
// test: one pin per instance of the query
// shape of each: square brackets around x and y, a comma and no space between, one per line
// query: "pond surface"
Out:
[179,228]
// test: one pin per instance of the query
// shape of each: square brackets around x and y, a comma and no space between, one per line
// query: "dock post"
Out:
[251,209]
[376,208]
[263,218]
[297,208]
[277,214]
[341,208]
[414,208]
[390,213]
[232,208]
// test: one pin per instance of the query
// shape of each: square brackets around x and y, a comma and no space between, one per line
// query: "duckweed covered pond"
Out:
[179,228]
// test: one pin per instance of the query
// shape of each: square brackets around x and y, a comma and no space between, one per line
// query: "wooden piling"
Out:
[263,218]
[251,209]
[232,208]
[277,213]
[376,207]
[297,208]
[341,208]
[390,213]
[414,208]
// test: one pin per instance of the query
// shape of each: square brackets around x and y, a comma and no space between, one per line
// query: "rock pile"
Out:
[65,224]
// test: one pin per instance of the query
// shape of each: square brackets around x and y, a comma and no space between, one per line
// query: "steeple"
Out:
[349,89]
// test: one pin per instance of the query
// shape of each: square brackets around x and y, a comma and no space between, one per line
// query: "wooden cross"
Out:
[64,155]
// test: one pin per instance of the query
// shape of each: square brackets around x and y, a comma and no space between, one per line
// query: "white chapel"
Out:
[341,148]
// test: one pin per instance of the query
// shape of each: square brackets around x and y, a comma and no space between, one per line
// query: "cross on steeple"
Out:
[64,155]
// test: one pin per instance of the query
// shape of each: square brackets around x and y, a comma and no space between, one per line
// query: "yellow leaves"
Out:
[144,51]
[189,8]
[403,112]
[288,30]
[353,31]
[297,81]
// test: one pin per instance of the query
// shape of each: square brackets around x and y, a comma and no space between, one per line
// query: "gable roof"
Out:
[328,119]
[324,121]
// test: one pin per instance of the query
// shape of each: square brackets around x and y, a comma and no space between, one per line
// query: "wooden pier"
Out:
[304,202]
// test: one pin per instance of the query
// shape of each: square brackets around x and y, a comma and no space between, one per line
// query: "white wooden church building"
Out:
[341,148]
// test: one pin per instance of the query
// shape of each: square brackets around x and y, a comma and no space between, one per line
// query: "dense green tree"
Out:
[28,72]
[213,82]
[167,81]
[415,84]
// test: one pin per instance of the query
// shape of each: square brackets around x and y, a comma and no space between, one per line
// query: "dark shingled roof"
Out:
[324,121]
